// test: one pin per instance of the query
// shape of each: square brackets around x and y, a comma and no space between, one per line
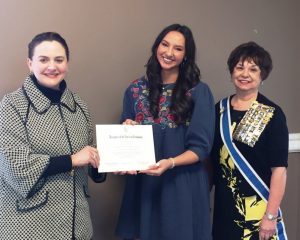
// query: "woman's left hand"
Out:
[159,168]
[267,228]
[87,155]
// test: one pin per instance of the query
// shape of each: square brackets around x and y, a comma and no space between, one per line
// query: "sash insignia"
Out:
[253,123]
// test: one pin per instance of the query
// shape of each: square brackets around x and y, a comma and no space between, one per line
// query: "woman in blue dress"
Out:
[170,200]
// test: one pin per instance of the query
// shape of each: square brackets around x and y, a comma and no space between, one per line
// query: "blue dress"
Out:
[174,206]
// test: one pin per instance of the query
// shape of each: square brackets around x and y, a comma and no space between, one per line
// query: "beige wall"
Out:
[290,204]
[110,42]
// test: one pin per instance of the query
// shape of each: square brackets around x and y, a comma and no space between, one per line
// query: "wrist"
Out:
[72,161]
[271,217]
[172,160]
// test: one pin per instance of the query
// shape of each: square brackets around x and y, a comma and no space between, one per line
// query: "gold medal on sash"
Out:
[253,123]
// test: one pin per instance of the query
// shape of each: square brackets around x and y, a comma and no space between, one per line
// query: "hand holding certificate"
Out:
[125,147]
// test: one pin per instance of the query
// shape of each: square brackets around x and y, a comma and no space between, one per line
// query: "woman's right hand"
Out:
[87,155]
[129,122]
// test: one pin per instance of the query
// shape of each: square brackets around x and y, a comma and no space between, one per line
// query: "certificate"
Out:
[125,147]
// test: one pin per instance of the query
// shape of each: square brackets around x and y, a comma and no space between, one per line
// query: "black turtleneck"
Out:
[63,163]
[52,94]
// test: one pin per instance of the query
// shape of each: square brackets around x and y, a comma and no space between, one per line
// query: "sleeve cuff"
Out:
[59,164]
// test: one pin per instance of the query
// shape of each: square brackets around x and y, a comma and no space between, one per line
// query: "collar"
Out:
[41,103]
[53,94]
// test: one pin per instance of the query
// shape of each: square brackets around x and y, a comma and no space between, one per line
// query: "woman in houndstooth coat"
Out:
[46,147]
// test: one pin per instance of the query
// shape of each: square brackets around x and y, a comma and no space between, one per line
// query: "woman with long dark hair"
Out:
[170,200]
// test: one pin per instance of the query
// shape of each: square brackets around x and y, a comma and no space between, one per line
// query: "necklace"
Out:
[167,86]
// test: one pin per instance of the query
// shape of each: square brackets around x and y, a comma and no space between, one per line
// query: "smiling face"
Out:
[49,64]
[246,76]
[171,51]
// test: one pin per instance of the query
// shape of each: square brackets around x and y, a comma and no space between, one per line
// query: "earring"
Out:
[262,83]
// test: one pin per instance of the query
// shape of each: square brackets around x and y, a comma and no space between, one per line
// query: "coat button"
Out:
[71,173]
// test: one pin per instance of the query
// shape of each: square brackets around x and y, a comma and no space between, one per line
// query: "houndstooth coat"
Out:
[31,130]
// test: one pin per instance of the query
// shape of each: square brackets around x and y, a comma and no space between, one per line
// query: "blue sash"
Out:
[242,164]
